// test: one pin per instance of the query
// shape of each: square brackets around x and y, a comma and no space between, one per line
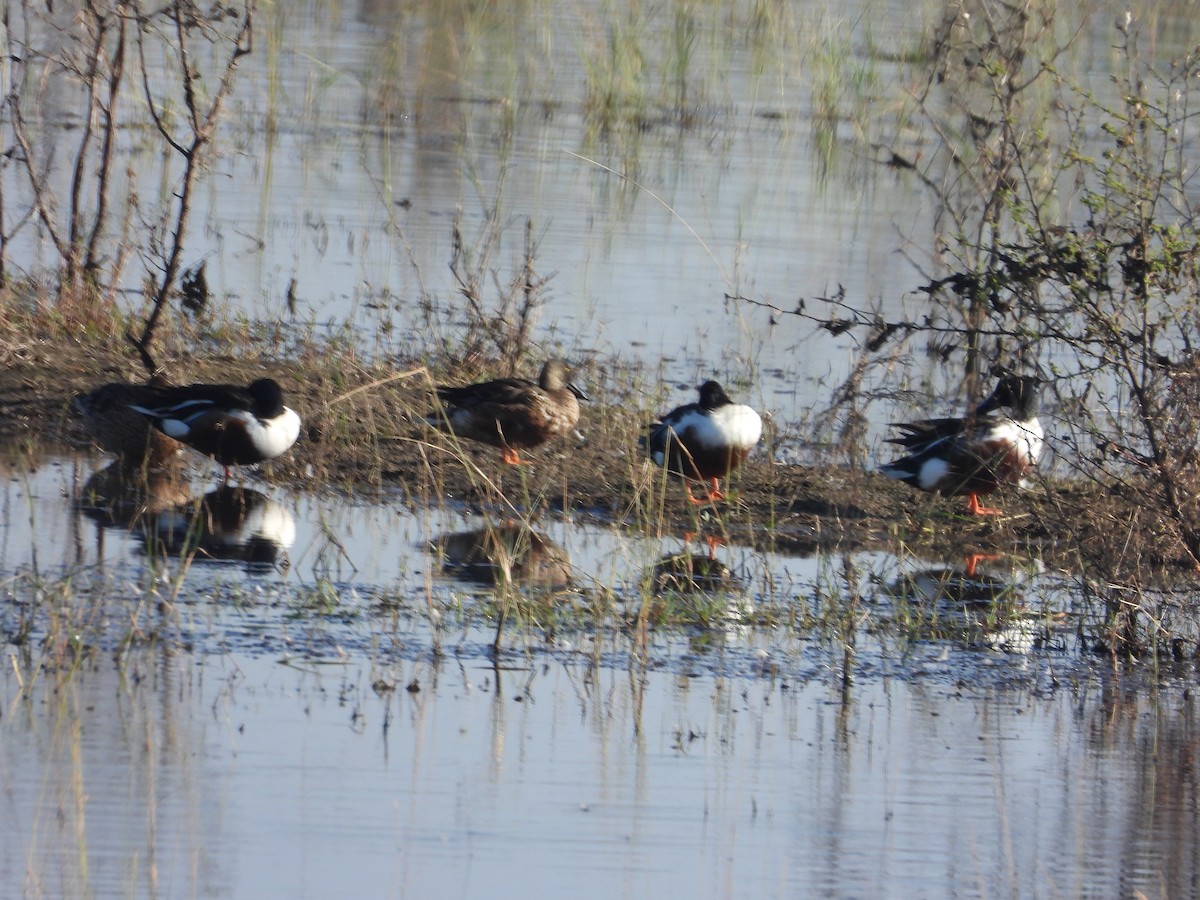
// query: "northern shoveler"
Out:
[236,426]
[114,426]
[976,455]
[511,413]
[704,441]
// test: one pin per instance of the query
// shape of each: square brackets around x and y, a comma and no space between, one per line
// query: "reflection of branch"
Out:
[41,200]
[115,75]
[202,124]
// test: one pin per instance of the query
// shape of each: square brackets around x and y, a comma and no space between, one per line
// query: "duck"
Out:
[704,441]
[511,413]
[974,456]
[115,428]
[236,426]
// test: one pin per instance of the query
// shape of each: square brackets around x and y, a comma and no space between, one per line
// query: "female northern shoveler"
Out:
[974,456]
[511,413]
[704,441]
[116,428]
[236,426]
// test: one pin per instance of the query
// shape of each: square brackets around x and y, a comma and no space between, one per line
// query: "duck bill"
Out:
[987,405]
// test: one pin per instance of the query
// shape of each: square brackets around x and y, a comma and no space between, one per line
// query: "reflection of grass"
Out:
[844,84]
[186,755]
[614,67]
[644,68]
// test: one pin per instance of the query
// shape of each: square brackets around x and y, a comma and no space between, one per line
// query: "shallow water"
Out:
[241,723]
[235,775]
[359,133]
[260,737]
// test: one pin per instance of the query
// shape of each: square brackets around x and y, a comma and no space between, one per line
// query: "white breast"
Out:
[1027,437]
[273,436]
[733,425]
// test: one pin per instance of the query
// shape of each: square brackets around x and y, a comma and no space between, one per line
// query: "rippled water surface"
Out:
[236,775]
[280,725]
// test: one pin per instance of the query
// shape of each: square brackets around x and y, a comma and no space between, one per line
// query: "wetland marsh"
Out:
[385,664]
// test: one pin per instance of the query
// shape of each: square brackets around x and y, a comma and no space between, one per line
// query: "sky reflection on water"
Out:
[236,776]
[269,747]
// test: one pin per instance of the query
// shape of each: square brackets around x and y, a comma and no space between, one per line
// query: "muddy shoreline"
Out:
[363,435]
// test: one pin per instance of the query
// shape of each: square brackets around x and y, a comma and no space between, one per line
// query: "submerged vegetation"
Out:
[1066,247]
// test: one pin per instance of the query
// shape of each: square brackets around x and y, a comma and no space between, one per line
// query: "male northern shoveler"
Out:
[114,426]
[236,426]
[974,456]
[704,441]
[511,413]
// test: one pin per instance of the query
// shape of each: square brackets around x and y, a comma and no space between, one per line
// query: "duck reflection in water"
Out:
[967,584]
[690,573]
[228,523]
[510,553]
[121,493]
[693,588]
[979,605]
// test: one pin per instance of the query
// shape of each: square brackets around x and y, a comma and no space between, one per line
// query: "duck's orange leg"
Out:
[714,493]
[974,507]
[973,561]
[512,458]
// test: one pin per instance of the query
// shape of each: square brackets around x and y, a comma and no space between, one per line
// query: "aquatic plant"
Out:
[102,58]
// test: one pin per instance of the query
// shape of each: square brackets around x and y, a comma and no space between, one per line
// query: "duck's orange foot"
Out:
[974,507]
